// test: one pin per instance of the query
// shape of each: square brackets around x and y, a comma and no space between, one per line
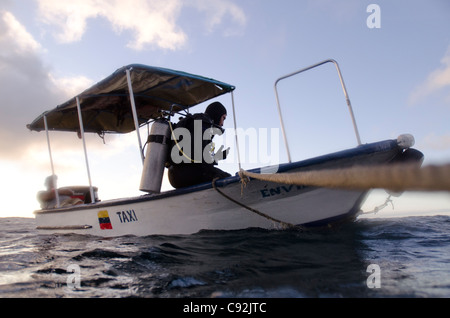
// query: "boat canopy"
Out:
[106,106]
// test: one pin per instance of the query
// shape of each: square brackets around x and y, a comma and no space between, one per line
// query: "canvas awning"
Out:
[106,105]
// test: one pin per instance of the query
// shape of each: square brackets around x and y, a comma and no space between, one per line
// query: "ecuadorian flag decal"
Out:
[103,219]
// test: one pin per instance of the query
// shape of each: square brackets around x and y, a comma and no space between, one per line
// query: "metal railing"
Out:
[345,93]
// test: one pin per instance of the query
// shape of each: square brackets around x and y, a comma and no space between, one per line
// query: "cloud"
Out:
[26,86]
[23,79]
[151,22]
[12,29]
[438,80]
[216,12]
[71,86]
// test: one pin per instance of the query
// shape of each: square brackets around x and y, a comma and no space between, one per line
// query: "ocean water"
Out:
[395,257]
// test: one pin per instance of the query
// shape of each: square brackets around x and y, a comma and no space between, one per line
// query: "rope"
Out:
[284,225]
[178,145]
[395,177]
[381,207]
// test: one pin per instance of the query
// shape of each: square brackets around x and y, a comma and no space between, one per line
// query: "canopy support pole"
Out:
[133,108]
[235,130]
[80,119]
[51,161]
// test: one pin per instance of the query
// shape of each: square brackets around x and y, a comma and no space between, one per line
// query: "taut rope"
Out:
[395,177]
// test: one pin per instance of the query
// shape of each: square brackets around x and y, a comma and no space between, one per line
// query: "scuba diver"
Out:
[192,157]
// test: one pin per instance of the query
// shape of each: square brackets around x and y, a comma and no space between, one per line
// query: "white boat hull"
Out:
[206,209]
[201,207]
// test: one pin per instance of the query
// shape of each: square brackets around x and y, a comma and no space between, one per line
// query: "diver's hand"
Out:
[221,154]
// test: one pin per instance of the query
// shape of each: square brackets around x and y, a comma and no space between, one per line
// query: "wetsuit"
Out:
[189,163]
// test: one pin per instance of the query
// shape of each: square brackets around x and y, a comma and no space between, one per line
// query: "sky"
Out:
[394,56]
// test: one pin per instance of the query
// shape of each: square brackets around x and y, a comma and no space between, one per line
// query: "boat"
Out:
[136,95]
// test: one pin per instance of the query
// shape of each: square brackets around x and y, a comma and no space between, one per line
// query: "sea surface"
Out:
[387,258]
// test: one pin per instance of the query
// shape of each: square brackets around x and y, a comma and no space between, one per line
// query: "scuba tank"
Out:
[156,157]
